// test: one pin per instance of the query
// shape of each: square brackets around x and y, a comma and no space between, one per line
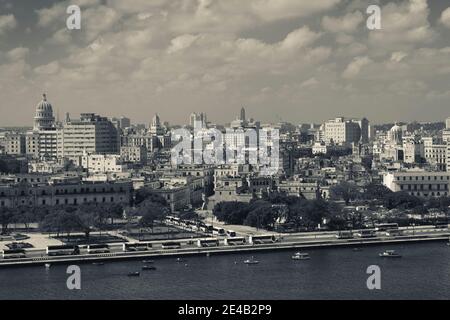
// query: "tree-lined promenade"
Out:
[272,209]
[86,218]
[307,215]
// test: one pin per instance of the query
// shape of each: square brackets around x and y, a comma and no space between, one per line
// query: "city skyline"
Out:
[298,58]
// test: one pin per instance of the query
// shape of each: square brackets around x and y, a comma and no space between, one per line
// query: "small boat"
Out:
[357,249]
[47,265]
[180,260]
[390,254]
[134,274]
[148,261]
[98,263]
[251,261]
[148,268]
[301,256]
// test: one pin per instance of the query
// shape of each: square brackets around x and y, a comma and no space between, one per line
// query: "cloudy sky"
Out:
[290,60]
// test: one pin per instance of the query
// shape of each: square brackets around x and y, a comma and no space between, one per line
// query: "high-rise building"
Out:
[242,116]
[447,123]
[198,121]
[90,134]
[155,126]
[15,143]
[345,131]
[193,118]
[124,122]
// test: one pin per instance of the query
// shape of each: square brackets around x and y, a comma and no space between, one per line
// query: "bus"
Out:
[136,246]
[206,228]
[366,233]
[172,220]
[171,245]
[394,233]
[261,239]
[347,234]
[98,248]
[386,226]
[234,241]
[441,225]
[63,250]
[231,233]
[13,254]
[207,243]
[218,231]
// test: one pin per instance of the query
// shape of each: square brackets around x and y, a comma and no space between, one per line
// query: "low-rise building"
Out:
[134,154]
[418,183]
[101,163]
[52,192]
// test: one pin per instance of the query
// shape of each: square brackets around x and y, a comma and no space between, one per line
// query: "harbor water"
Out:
[423,272]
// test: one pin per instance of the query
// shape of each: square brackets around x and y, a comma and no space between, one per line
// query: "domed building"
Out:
[44,118]
[396,135]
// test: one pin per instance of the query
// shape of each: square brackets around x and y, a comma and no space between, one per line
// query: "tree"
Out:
[147,194]
[345,190]
[113,211]
[25,215]
[6,217]
[262,217]
[151,211]
[232,212]
[402,200]
[60,221]
[376,191]
[308,213]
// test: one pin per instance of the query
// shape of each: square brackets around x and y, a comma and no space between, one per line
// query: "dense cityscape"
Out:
[342,174]
[224,150]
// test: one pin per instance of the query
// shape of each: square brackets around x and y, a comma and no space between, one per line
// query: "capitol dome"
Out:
[44,118]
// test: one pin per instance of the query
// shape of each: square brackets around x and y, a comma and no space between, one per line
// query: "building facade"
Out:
[418,183]
[90,134]
[27,193]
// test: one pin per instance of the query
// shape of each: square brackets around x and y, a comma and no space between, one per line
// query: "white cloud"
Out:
[18,53]
[348,23]
[181,42]
[48,69]
[405,25]
[299,38]
[398,56]
[7,22]
[270,10]
[162,54]
[445,17]
[354,68]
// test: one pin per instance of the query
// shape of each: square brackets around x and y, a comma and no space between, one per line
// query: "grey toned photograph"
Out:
[251,151]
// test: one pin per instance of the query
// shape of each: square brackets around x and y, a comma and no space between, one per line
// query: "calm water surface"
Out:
[422,273]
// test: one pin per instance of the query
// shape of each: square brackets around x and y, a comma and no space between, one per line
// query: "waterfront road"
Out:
[189,246]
